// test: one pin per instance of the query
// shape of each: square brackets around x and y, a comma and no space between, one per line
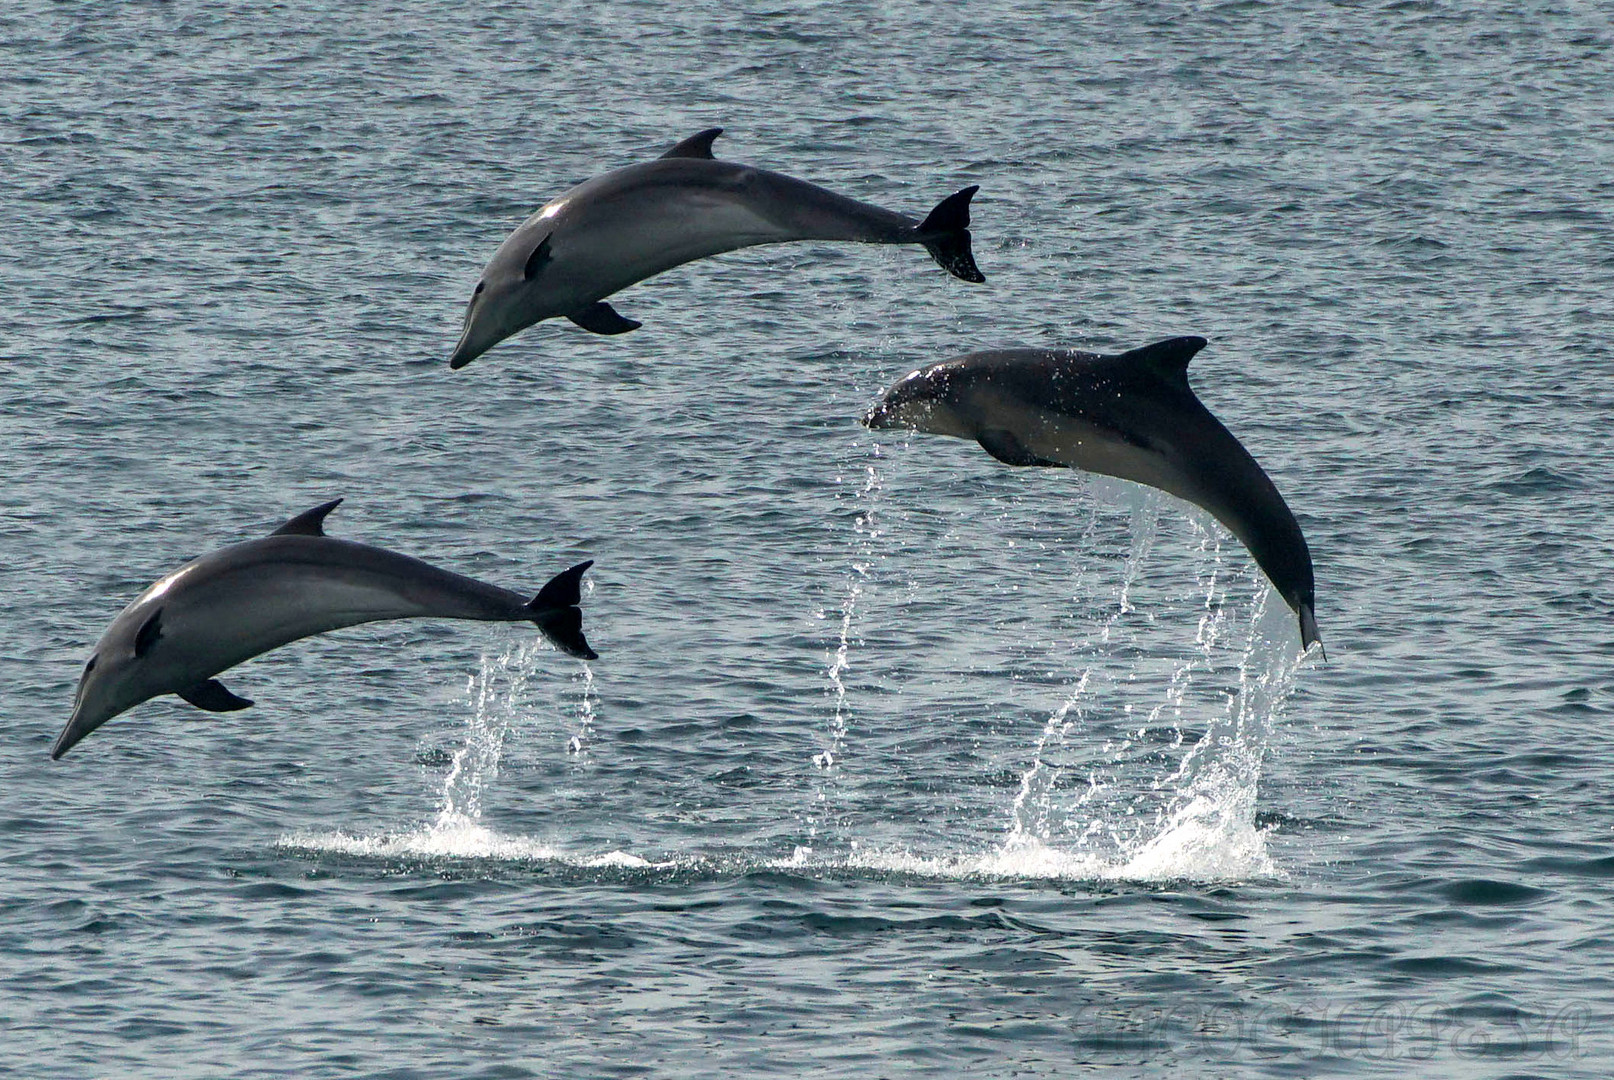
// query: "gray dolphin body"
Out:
[1131,416]
[243,600]
[624,226]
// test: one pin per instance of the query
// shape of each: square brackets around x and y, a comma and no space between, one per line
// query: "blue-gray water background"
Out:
[896,761]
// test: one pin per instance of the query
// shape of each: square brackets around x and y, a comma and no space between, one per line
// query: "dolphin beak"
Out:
[878,418]
[465,351]
[475,340]
[77,727]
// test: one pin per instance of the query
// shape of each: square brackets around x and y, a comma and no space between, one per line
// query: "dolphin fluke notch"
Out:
[946,235]
[556,613]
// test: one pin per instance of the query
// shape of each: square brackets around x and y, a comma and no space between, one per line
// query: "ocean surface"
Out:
[896,761]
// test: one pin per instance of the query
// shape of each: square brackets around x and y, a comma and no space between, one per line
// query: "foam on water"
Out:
[455,839]
[1207,845]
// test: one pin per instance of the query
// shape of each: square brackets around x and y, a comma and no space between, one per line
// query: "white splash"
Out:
[497,694]
[1193,822]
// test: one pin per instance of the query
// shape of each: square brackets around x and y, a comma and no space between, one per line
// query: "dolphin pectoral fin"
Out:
[601,318]
[540,257]
[309,522]
[698,145]
[211,696]
[1002,445]
[946,235]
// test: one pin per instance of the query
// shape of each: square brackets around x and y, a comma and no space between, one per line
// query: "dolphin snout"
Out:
[76,729]
[910,414]
[464,353]
[475,340]
[878,418]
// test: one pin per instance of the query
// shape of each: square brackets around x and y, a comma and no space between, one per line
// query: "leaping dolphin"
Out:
[624,226]
[235,603]
[1131,416]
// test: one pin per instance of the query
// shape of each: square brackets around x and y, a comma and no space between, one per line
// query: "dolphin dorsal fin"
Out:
[1168,359]
[698,145]
[309,522]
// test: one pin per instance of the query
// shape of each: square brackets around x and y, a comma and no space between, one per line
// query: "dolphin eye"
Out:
[89,667]
[480,285]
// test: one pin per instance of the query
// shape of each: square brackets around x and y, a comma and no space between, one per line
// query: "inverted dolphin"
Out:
[243,600]
[624,226]
[1131,416]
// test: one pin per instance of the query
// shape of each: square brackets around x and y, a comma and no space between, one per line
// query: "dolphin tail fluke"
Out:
[556,613]
[1309,634]
[946,235]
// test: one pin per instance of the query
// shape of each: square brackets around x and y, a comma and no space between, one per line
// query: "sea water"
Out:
[896,760]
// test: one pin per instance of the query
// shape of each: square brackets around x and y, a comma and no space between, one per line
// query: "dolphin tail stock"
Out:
[946,235]
[556,613]
[1309,634]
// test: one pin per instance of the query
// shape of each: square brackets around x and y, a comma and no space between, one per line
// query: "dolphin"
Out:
[624,226]
[235,603]
[1132,416]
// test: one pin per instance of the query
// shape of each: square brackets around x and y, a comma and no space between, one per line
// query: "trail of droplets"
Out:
[867,533]
[583,737]
[1030,812]
[496,692]
[1196,816]
[498,697]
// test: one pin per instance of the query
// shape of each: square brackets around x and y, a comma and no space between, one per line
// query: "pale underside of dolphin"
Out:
[635,222]
[244,600]
[1131,416]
